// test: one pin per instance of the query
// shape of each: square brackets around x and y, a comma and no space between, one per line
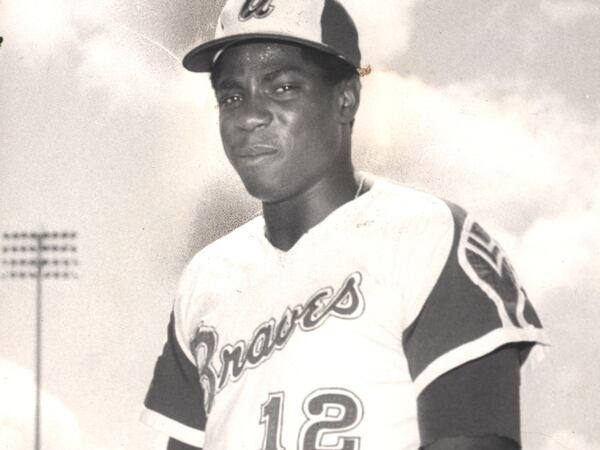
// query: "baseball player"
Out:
[353,314]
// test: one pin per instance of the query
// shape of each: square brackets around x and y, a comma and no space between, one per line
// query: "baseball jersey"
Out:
[327,345]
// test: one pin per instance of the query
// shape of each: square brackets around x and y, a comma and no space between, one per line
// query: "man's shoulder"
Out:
[399,203]
[229,250]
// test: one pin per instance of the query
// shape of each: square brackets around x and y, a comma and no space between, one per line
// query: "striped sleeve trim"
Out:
[481,347]
[172,428]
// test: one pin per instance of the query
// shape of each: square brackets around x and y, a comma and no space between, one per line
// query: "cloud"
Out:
[556,252]
[457,138]
[560,440]
[129,66]
[36,28]
[102,42]
[563,12]
[60,430]
[384,27]
[524,164]
[119,62]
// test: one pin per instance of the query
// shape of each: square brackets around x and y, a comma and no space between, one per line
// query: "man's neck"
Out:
[288,220]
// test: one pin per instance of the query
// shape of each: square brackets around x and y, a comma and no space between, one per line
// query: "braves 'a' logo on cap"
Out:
[256,8]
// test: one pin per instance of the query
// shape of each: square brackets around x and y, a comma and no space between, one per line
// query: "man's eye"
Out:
[230,100]
[285,88]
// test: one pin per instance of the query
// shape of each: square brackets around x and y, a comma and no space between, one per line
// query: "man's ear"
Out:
[349,99]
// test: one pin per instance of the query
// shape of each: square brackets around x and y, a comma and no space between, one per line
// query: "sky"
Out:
[493,105]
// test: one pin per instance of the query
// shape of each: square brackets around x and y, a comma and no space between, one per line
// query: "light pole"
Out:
[41,256]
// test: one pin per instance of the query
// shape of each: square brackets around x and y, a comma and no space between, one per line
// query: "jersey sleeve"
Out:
[476,306]
[479,398]
[174,403]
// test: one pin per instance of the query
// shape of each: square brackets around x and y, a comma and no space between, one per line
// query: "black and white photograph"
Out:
[299,225]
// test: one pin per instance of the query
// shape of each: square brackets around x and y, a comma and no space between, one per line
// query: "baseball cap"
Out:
[321,24]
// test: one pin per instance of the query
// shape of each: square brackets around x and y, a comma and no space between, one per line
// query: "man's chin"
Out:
[262,190]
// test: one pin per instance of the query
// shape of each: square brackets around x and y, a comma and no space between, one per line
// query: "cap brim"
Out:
[201,58]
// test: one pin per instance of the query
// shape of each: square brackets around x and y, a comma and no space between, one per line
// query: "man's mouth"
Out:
[255,152]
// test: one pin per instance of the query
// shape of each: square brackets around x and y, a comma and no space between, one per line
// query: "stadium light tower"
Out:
[41,256]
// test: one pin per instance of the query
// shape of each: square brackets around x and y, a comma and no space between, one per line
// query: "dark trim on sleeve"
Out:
[477,302]
[456,312]
[175,390]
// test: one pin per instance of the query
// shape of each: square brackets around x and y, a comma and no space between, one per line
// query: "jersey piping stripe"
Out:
[462,260]
[520,311]
[172,428]
[481,347]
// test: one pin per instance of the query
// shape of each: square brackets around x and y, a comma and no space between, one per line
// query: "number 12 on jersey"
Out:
[329,412]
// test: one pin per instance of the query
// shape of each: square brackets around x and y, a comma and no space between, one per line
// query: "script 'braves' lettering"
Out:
[205,345]
[256,8]
[347,303]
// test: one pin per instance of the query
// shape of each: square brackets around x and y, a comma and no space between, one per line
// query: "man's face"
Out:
[279,118]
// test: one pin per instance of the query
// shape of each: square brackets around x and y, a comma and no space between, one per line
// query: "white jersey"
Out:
[328,345]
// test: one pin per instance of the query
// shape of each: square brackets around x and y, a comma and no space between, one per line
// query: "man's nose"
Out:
[255,113]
